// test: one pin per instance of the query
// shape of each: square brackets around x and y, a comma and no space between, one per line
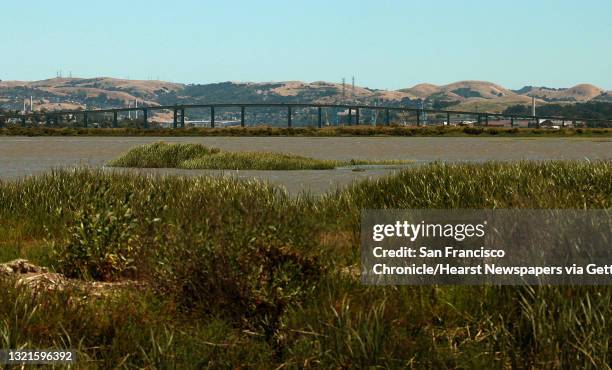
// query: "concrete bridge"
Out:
[418,116]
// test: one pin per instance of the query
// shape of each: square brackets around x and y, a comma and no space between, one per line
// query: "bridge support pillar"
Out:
[85,119]
[242,116]
[387,117]
[418,114]
[23,121]
[350,116]
[212,117]
[145,117]
[511,121]
[183,118]
[174,118]
[357,116]
[486,120]
[289,116]
[447,119]
[319,118]
[115,121]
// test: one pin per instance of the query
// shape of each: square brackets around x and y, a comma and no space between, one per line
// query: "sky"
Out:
[383,44]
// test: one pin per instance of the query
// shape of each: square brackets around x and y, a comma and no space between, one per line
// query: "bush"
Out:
[102,242]
[253,283]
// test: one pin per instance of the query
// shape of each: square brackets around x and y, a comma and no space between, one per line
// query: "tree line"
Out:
[593,110]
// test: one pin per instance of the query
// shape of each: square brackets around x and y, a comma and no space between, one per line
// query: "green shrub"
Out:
[254,282]
[102,241]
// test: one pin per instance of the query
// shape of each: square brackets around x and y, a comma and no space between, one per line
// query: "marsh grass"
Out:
[238,274]
[362,130]
[159,155]
[197,156]
[257,161]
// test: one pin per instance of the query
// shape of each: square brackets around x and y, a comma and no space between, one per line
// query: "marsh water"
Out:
[23,156]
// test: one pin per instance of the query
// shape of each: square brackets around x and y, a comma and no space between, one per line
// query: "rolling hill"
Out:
[581,93]
[103,92]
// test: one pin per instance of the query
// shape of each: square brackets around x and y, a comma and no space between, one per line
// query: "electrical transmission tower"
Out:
[423,113]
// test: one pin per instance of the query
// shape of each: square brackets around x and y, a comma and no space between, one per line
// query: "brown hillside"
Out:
[581,92]
[496,105]
[485,89]
[136,88]
[459,90]
[102,92]
[422,91]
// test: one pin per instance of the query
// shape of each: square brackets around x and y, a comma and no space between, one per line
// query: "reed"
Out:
[197,156]
[237,273]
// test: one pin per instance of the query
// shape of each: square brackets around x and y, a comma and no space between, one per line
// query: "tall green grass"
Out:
[197,156]
[489,185]
[158,155]
[240,274]
[258,161]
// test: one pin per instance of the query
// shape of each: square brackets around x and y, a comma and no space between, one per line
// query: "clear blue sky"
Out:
[384,44]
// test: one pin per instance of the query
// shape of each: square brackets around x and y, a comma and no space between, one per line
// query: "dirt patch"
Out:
[39,278]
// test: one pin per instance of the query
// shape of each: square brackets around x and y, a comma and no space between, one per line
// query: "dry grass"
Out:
[363,130]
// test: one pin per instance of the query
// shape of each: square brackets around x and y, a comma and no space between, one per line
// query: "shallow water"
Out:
[22,156]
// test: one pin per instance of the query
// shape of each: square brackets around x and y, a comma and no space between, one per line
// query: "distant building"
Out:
[554,123]
[343,116]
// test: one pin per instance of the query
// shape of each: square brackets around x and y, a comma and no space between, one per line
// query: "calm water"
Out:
[22,156]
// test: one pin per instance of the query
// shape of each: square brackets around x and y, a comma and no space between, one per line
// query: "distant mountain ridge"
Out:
[581,92]
[104,92]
